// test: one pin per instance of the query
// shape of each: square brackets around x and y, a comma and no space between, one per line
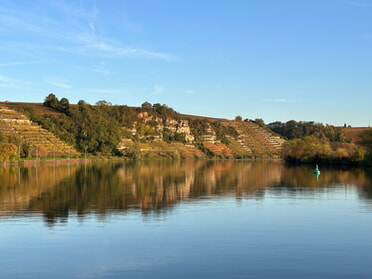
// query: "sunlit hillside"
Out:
[149,131]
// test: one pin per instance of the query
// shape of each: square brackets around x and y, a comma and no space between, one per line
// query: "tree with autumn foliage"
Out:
[306,150]
[311,149]
[9,147]
[366,141]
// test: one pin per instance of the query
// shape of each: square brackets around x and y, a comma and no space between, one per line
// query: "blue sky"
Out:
[272,59]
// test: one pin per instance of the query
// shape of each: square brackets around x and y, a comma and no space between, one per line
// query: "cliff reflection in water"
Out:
[56,191]
[151,186]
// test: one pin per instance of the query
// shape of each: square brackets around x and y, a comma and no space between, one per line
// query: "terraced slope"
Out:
[220,149]
[44,143]
[188,151]
[255,141]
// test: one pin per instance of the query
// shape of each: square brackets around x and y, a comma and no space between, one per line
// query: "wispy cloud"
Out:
[10,82]
[6,81]
[19,63]
[58,82]
[189,91]
[279,100]
[73,11]
[81,31]
[108,49]
[19,20]
[157,90]
[101,71]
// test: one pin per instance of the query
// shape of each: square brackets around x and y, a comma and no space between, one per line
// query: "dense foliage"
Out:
[98,128]
[366,141]
[311,149]
[296,130]
[9,147]
[94,129]
[311,142]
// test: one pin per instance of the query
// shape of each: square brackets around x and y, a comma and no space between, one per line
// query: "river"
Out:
[185,219]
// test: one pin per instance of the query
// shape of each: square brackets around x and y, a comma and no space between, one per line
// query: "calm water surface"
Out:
[193,219]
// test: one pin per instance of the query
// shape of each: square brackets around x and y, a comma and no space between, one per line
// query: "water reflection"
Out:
[56,191]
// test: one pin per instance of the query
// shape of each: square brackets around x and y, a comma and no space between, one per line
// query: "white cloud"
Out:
[279,100]
[157,90]
[19,63]
[5,81]
[189,91]
[105,48]
[58,82]
[8,82]
[19,21]
[87,36]
[101,71]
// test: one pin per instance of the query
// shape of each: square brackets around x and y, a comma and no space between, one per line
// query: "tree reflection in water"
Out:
[155,187]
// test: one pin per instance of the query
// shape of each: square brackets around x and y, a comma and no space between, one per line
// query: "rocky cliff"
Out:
[200,137]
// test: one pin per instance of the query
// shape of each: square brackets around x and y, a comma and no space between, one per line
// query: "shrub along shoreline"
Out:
[312,150]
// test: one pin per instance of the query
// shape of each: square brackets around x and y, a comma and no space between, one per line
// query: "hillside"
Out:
[353,133]
[151,131]
[40,142]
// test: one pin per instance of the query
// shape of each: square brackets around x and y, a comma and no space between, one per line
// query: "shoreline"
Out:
[46,162]
[31,163]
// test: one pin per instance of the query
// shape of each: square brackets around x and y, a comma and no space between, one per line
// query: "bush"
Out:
[8,151]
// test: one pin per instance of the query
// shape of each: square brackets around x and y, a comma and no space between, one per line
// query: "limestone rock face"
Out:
[209,135]
[179,127]
[157,127]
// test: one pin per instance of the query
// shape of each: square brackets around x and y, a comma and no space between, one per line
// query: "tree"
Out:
[8,151]
[259,122]
[82,103]
[159,108]
[51,101]
[366,142]
[238,118]
[146,105]
[308,149]
[64,105]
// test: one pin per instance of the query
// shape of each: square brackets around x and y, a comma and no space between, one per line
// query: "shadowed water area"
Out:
[186,219]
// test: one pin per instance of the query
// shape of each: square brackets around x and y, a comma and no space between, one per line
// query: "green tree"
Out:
[64,105]
[146,106]
[51,101]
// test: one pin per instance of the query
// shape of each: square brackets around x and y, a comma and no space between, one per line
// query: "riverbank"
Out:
[31,163]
